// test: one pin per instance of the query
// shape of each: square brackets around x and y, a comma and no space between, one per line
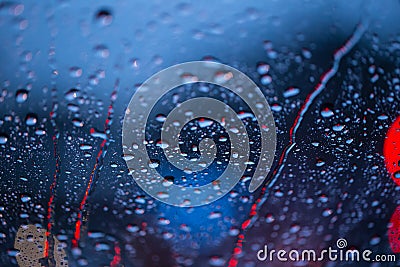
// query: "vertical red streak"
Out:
[56,174]
[117,258]
[324,79]
[53,114]
[97,165]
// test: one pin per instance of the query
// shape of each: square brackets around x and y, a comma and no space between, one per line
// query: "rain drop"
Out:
[262,68]
[291,91]
[3,139]
[75,72]
[326,111]
[31,119]
[71,94]
[104,17]
[21,95]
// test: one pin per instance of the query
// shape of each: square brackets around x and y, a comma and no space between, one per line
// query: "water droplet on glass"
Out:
[128,157]
[85,147]
[338,127]
[262,68]
[3,139]
[375,240]
[294,228]
[269,218]
[320,163]
[21,95]
[40,132]
[291,91]
[77,122]
[316,144]
[326,112]
[132,228]
[323,198]
[75,72]
[71,94]
[222,77]
[161,118]
[154,163]
[72,107]
[101,51]
[382,117]
[104,17]
[266,79]
[189,78]
[306,53]
[327,212]
[216,261]
[31,119]
[162,144]
[162,195]
[276,107]
[25,198]
[203,123]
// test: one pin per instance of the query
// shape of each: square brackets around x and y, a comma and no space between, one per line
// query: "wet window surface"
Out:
[330,72]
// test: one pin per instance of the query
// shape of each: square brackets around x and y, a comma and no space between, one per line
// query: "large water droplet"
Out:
[104,17]
[71,94]
[326,111]
[291,91]
[21,95]
[75,72]
[31,119]
[3,139]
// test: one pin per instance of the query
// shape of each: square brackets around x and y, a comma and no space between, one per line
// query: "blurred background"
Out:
[69,68]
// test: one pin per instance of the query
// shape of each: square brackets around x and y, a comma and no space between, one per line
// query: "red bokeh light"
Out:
[391,152]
